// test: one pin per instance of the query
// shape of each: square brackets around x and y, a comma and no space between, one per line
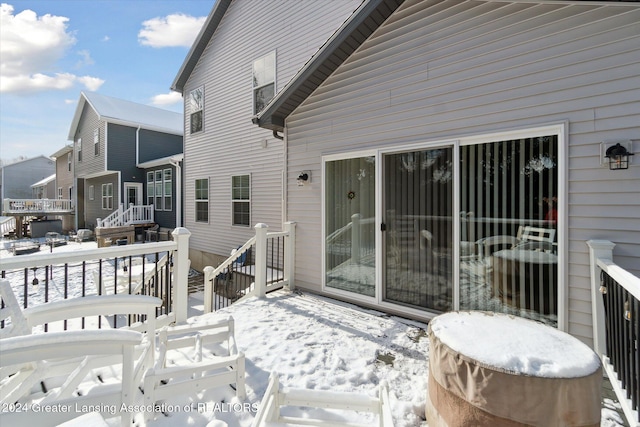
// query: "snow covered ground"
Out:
[317,343]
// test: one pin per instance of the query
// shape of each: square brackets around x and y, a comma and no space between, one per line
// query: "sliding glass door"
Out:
[508,227]
[350,225]
[469,225]
[418,229]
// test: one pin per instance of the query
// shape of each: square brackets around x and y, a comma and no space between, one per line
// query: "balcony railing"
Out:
[615,295]
[36,206]
[263,264]
[157,269]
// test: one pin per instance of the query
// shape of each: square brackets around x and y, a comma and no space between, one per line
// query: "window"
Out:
[69,162]
[196,105]
[241,199]
[264,78]
[71,193]
[107,196]
[96,141]
[202,200]
[158,190]
[79,148]
[167,183]
[59,192]
[150,188]
[92,192]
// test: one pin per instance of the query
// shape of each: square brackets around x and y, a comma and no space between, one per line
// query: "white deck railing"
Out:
[135,214]
[110,259]
[273,268]
[7,225]
[615,296]
[36,206]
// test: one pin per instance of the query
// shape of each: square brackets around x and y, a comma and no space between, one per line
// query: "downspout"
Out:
[178,192]
[138,145]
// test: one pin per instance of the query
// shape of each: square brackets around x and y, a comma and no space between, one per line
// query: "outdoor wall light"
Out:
[304,177]
[618,157]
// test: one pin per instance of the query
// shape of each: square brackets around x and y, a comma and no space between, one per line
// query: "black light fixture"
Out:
[618,157]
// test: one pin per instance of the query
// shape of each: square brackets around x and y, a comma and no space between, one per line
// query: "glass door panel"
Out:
[350,225]
[418,206]
[508,247]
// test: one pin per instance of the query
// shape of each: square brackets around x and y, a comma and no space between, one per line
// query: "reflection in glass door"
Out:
[350,225]
[418,238]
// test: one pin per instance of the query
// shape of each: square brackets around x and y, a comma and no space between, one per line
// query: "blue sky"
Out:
[50,51]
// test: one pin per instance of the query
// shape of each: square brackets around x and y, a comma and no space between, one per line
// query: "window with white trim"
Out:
[96,141]
[158,190]
[59,192]
[196,107]
[264,81]
[202,199]
[92,192]
[241,200]
[69,158]
[150,188]
[167,182]
[107,196]
[79,149]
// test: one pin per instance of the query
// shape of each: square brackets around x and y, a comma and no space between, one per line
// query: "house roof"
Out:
[64,150]
[11,165]
[207,31]
[44,181]
[120,111]
[364,21]
[368,18]
[163,161]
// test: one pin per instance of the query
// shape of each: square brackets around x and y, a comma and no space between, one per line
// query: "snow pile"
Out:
[516,345]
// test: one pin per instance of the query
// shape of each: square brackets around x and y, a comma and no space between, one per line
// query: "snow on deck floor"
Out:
[314,342]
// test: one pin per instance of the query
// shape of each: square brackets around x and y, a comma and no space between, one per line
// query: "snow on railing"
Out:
[158,269]
[615,299]
[135,214]
[27,206]
[263,264]
[7,225]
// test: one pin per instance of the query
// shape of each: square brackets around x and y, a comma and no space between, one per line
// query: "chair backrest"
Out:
[536,234]
[14,322]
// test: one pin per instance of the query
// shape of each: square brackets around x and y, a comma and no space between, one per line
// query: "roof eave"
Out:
[329,57]
[199,45]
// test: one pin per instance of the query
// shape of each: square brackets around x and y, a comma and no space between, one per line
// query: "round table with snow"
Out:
[489,369]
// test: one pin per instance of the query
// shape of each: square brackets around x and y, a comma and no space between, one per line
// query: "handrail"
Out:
[132,215]
[26,206]
[614,311]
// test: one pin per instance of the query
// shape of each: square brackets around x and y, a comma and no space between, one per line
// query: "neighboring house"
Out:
[164,189]
[246,52]
[65,182]
[429,130]
[45,188]
[111,137]
[16,178]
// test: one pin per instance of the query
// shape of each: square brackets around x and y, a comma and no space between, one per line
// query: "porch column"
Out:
[261,259]
[181,267]
[598,249]
[290,253]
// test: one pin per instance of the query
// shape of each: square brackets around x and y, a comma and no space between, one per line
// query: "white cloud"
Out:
[167,99]
[86,59]
[172,30]
[30,47]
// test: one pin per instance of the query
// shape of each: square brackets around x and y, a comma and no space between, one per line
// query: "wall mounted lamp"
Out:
[618,156]
[304,177]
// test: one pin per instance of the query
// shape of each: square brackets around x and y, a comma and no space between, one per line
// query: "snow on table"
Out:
[490,368]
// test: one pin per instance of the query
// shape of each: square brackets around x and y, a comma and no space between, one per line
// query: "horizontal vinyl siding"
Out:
[443,70]
[93,208]
[230,144]
[156,145]
[90,163]
[122,156]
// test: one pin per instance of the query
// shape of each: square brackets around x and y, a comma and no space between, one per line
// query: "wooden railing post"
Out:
[598,249]
[261,259]
[290,253]
[181,267]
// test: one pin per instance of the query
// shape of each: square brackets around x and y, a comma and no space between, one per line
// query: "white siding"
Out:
[442,70]
[230,144]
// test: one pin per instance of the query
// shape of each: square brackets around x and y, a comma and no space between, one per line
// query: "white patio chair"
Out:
[202,371]
[275,398]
